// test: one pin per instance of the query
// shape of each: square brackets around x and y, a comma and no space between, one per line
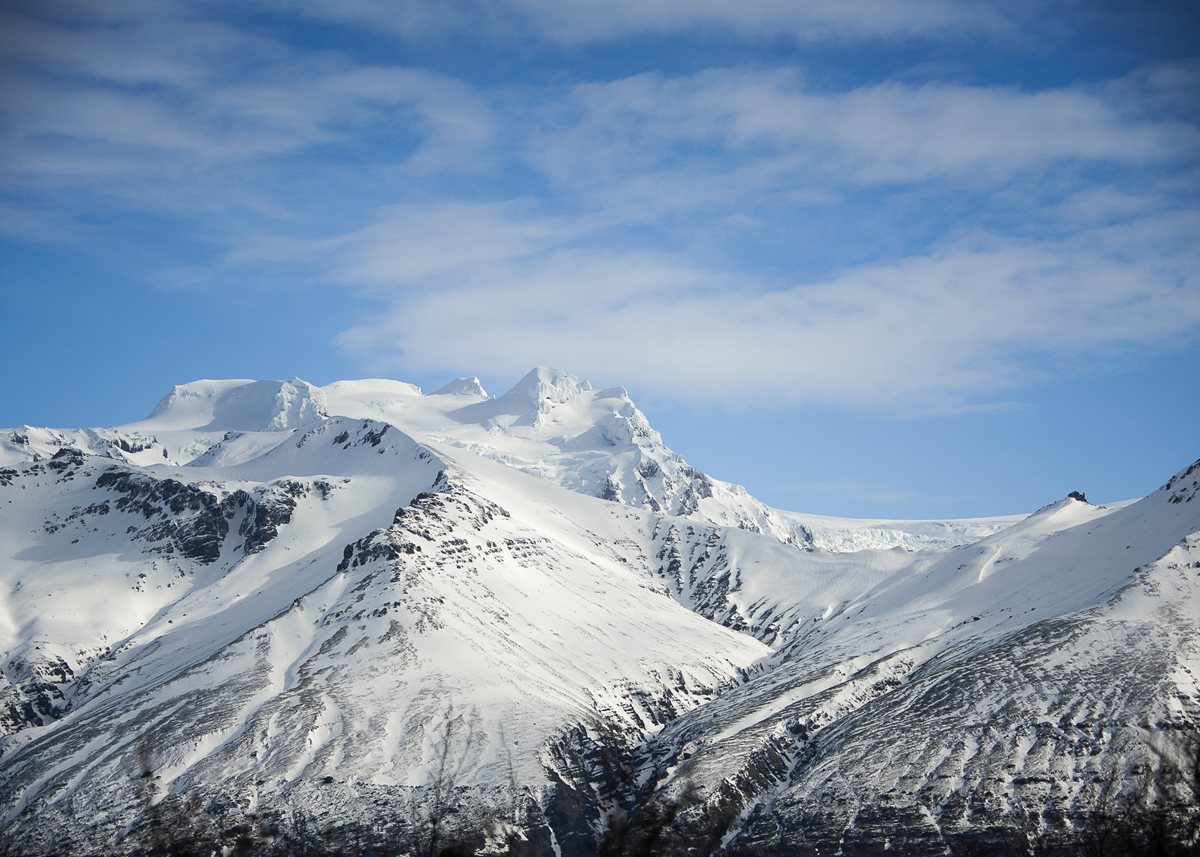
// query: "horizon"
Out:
[913,260]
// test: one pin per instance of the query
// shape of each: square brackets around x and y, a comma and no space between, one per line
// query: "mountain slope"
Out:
[1013,679]
[320,609]
[276,599]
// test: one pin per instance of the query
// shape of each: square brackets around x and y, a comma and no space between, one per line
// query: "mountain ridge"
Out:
[258,606]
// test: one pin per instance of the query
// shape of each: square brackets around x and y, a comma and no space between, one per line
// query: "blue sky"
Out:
[894,258]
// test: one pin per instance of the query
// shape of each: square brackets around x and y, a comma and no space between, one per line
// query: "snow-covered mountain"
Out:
[550,424]
[271,597]
[1019,677]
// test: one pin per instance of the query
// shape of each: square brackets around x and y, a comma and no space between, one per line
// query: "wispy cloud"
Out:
[122,99]
[577,21]
[881,133]
[619,226]
[156,45]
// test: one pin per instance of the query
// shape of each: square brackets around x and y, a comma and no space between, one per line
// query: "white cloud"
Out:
[127,112]
[414,245]
[157,46]
[1106,204]
[881,133]
[238,122]
[143,92]
[932,331]
[802,19]
[575,21]
[636,147]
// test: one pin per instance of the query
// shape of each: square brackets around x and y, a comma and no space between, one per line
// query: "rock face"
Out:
[317,617]
[178,516]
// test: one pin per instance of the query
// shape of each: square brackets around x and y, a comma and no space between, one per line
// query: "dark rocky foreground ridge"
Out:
[333,638]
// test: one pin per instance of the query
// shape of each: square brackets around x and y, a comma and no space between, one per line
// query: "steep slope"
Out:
[953,702]
[320,609]
[103,557]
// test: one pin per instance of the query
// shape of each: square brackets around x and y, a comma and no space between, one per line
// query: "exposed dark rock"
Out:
[138,444]
[66,461]
[195,522]
[187,518]
[268,511]
[33,694]
[1185,486]
[374,436]
[611,491]
[695,563]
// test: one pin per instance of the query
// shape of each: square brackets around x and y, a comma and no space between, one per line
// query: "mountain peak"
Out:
[529,401]
[546,383]
[462,387]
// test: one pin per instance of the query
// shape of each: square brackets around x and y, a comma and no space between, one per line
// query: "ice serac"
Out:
[240,406]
